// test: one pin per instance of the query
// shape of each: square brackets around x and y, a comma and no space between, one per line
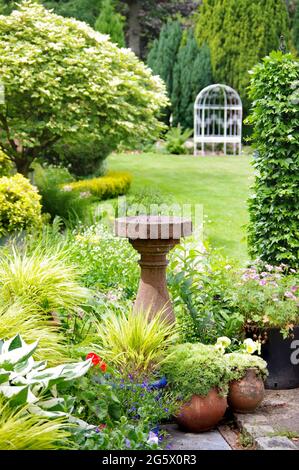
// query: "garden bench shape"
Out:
[218,120]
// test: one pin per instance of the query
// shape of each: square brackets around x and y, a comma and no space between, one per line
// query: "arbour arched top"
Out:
[218,119]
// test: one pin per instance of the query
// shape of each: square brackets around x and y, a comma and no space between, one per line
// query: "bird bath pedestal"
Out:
[153,237]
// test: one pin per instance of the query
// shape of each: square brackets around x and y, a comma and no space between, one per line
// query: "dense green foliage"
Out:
[110,22]
[106,187]
[20,207]
[274,206]
[135,342]
[70,206]
[6,166]
[296,28]
[45,279]
[175,138]
[239,33]
[162,56]
[83,10]
[239,363]
[67,82]
[192,72]
[195,369]
[266,298]
[20,430]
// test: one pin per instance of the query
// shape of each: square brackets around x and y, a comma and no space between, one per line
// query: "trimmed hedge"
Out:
[106,187]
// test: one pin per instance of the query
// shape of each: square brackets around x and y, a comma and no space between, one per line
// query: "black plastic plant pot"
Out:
[282,356]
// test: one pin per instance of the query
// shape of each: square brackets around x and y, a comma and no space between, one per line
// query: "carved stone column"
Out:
[153,237]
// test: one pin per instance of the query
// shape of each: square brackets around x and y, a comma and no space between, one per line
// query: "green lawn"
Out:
[220,184]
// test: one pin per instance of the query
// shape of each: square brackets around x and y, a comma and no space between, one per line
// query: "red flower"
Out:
[103,366]
[95,359]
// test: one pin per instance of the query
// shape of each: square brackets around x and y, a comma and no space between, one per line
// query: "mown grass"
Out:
[221,184]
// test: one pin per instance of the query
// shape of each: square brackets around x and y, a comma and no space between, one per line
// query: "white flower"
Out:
[152,438]
[250,345]
[219,347]
[224,341]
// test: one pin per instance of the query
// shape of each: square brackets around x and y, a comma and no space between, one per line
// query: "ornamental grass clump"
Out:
[135,343]
[31,323]
[20,430]
[195,369]
[46,279]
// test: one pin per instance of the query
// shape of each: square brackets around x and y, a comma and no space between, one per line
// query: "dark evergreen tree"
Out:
[296,28]
[239,33]
[83,10]
[162,56]
[192,72]
[145,19]
[111,22]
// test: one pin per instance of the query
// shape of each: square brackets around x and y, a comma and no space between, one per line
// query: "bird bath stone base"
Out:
[153,237]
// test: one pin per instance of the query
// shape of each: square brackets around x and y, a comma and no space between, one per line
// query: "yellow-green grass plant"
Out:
[20,430]
[32,325]
[43,278]
[135,343]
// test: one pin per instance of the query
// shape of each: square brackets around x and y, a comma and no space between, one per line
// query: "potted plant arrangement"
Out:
[197,375]
[247,373]
[268,301]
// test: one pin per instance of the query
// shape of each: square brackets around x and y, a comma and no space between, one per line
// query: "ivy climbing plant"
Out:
[274,206]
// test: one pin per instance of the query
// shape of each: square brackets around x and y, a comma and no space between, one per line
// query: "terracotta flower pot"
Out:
[202,413]
[247,393]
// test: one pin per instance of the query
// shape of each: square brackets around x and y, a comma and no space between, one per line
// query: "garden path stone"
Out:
[211,440]
[275,424]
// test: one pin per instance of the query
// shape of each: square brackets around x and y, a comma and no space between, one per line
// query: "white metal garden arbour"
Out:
[218,120]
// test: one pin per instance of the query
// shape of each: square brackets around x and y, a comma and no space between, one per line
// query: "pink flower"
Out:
[290,295]
[262,282]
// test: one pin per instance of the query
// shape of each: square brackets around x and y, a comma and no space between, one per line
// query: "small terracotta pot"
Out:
[246,394]
[202,413]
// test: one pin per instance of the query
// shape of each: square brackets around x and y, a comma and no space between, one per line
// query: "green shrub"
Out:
[67,82]
[296,28]
[20,207]
[85,158]
[176,137]
[71,206]
[238,363]
[6,166]
[195,369]
[200,283]
[105,187]
[122,435]
[274,205]
[267,298]
[107,263]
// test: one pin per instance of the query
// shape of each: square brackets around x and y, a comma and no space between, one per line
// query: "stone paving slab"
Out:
[275,424]
[211,440]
